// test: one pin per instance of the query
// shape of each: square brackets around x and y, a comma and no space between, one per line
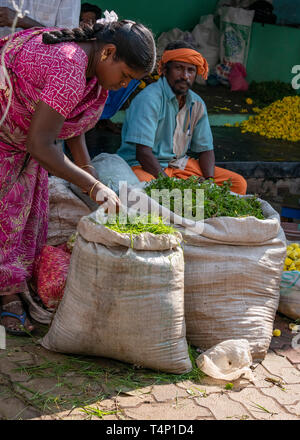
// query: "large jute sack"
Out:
[124,299]
[232,280]
[65,211]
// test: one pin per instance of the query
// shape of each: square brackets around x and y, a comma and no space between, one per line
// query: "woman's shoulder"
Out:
[65,51]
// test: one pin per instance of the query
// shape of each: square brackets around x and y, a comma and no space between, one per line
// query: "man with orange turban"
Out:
[166,121]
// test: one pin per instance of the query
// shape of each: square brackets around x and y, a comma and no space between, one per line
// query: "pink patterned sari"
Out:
[54,74]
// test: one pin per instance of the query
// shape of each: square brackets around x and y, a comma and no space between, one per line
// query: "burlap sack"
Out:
[65,211]
[124,299]
[232,280]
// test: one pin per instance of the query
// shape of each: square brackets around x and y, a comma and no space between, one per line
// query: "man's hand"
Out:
[7,16]
[149,162]
[207,163]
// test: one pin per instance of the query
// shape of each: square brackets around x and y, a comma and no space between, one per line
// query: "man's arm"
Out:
[7,17]
[207,163]
[148,161]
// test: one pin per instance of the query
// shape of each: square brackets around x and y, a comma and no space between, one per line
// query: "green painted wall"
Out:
[274,50]
[160,15]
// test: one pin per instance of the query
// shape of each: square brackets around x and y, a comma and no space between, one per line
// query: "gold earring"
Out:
[103,57]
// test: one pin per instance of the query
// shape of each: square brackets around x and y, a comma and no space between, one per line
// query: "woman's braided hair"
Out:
[134,42]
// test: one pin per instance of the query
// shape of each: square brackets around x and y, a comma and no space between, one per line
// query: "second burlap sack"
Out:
[124,299]
[232,280]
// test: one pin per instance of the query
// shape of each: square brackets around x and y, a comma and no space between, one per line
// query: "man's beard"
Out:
[181,92]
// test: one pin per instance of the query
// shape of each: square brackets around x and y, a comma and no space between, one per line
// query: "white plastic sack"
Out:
[289,303]
[235,27]
[124,299]
[228,360]
[167,37]
[65,211]
[207,41]
[112,169]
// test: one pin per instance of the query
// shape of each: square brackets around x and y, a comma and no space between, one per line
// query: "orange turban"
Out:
[187,56]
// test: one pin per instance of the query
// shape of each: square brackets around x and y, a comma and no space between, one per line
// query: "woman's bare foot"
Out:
[13,304]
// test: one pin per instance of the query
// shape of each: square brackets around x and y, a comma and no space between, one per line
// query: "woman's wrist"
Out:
[93,190]
[88,165]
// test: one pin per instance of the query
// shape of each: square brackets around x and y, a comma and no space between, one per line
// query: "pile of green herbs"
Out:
[218,201]
[136,225]
[265,92]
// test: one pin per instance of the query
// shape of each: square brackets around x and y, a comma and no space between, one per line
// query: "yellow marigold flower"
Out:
[280,120]
[142,85]
[276,332]
[293,255]
[288,261]
[249,101]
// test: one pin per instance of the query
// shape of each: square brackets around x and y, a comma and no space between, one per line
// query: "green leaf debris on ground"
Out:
[82,382]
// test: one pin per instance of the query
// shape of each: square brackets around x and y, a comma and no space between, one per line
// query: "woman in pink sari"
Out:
[60,81]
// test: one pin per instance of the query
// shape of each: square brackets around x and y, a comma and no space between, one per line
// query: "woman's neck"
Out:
[89,47]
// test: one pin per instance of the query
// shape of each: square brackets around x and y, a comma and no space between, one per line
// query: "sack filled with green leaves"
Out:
[124,297]
[233,265]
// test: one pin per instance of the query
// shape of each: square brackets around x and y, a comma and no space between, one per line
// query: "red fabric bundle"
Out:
[50,275]
[237,78]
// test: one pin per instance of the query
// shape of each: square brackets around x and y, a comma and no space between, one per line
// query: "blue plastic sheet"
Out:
[117,98]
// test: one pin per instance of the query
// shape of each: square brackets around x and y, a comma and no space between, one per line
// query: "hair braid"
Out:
[63,35]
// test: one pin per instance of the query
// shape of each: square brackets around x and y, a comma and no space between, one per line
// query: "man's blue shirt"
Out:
[151,121]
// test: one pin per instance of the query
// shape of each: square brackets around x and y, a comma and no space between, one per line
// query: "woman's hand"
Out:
[105,197]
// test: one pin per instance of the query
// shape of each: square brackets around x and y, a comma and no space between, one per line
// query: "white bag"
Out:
[124,299]
[112,169]
[289,303]
[235,27]
[228,360]
[167,37]
[65,211]
[207,42]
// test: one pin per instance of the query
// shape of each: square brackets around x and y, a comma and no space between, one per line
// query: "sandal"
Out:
[22,318]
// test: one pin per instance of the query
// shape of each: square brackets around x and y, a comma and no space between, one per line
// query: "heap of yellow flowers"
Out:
[292,261]
[280,120]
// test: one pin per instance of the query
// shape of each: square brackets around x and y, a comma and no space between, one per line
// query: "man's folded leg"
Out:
[239,184]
